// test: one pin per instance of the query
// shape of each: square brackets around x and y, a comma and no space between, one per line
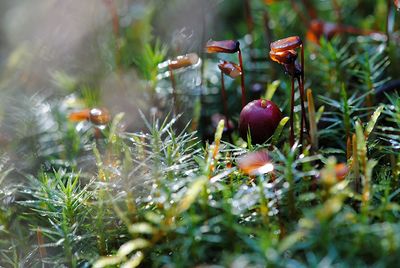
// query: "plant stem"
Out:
[250,27]
[289,176]
[267,29]
[291,138]
[356,168]
[348,147]
[303,109]
[336,7]
[203,41]
[312,120]
[223,93]
[244,102]
[302,93]
[302,63]
[249,19]
[310,9]
[42,249]
[296,8]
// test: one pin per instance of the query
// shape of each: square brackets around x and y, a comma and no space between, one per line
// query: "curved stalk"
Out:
[244,102]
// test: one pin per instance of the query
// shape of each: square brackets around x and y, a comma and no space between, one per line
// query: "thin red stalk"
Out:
[291,138]
[40,241]
[267,29]
[302,89]
[302,63]
[250,25]
[223,93]
[244,102]
[300,13]
[173,84]
[336,6]
[203,41]
[97,133]
[310,9]
[303,109]
[249,17]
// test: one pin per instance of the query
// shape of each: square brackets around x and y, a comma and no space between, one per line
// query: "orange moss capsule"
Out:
[283,57]
[225,46]
[255,163]
[229,68]
[319,28]
[341,170]
[79,116]
[288,43]
[97,116]
[183,61]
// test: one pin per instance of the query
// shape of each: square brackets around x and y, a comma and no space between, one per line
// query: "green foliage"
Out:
[77,194]
[60,206]
[148,59]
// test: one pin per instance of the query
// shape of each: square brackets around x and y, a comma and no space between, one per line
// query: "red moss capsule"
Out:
[183,61]
[261,117]
[397,4]
[229,68]
[283,57]
[255,163]
[225,46]
[288,43]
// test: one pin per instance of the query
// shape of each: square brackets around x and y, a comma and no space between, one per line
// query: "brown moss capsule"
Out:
[288,43]
[294,70]
[283,57]
[255,163]
[319,28]
[97,116]
[229,68]
[225,46]
[184,61]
